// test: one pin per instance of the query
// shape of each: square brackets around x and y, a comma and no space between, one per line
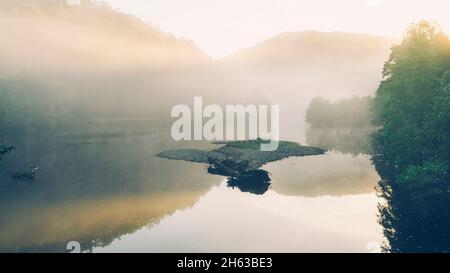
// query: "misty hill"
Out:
[52,34]
[65,62]
[292,68]
[62,63]
[317,62]
[313,48]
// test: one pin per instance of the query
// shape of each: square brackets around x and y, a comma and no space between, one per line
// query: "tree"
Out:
[404,101]
[412,147]
[346,113]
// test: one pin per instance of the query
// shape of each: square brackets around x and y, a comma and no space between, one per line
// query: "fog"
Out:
[92,62]
[86,94]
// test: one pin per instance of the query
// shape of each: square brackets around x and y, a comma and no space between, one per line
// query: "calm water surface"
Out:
[113,195]
[339,214]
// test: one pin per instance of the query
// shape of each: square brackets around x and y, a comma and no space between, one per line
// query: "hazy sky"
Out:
[221,27]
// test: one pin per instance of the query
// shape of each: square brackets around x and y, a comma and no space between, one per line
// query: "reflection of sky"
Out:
[229,220]
[332,174]
[337,214]
[222,27]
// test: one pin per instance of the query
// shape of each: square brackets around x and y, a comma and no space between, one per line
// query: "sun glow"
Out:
[223,27]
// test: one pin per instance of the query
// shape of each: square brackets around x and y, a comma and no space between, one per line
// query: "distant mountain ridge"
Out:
[310,60]
[292,68]
[293,47]
[94,30]
[89,36]
[90,61]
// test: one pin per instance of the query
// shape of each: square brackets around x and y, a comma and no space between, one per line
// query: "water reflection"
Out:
[256,182]
[252,181]
[333,174]
[413,222]
[113,194]
[348,141]
[92,193]
[227,220]
[93,223]
[26,174]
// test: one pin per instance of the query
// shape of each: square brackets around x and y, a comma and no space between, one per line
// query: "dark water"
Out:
[110,193]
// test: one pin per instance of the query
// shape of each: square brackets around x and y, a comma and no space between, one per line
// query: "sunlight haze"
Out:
[224,126]
[223,27]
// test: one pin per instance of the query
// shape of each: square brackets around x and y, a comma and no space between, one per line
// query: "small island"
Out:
[237,158]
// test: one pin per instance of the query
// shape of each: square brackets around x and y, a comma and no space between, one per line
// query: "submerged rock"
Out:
[237,157]
[256,182]
[27,174]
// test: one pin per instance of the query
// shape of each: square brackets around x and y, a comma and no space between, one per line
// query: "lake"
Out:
[111,194]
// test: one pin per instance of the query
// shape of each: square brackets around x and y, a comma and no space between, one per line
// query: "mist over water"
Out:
[85,96]
[92,63]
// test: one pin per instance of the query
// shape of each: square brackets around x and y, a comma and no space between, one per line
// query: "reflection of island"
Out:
[350,141]
[240,161]
[252,181]
[256,182]
[333,174]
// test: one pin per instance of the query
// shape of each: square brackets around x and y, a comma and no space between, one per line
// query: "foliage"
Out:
[348,141]
[347,113]
[412,108]
[412,102]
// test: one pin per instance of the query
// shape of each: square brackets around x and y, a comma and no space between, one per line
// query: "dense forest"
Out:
[354,112]
[412,147]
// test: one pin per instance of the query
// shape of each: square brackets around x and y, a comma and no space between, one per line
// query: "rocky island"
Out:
[237,158]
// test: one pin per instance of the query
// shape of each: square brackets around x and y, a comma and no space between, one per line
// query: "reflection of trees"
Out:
[93,223]
[346,113]
[332,174]
[413,221]
[348,141]
[335,173]
[93,193]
